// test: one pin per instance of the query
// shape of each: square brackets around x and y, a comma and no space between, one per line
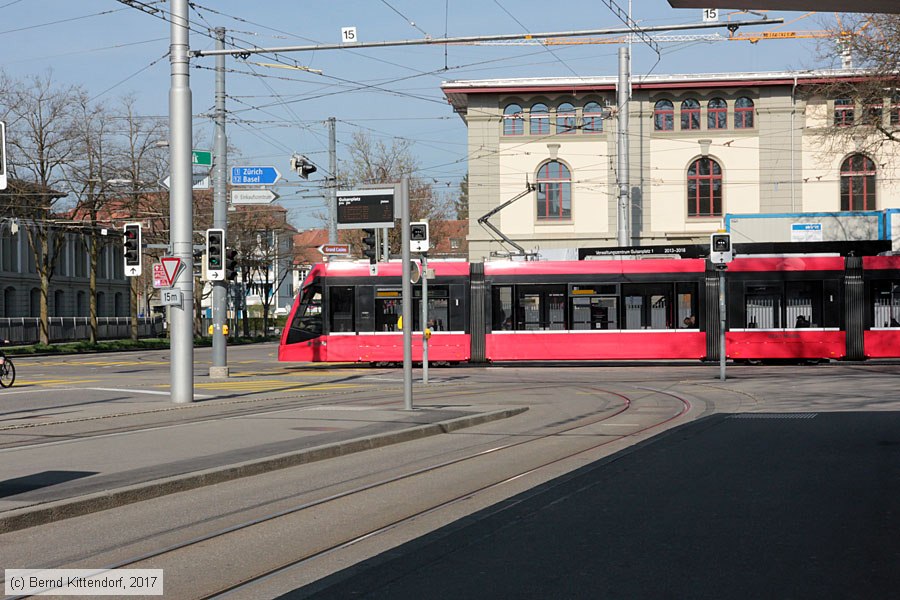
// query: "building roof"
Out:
[457,91]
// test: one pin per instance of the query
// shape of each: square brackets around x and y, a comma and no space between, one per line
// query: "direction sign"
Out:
[201,158]
[335,249]
[254,175]
[171,266]
[200,181]
[253,196]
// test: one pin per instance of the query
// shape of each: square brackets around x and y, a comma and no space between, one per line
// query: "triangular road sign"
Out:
[171,265]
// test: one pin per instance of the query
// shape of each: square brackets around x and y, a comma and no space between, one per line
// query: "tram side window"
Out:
[687,306]
[341,308]
[308,318]
[541,308]
[388,309]
[593,306]
[649,306]
[886,303]
[803,304]
[762,307]
[438,308]
[502,308]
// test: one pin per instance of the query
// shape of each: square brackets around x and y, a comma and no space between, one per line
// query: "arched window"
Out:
[9,302]
[539,120]
[717,114]
[593,118]
[843,112]
[512,120]
[690,114]
[59,303]
[81,308]
[663,116]
[704,188]
[743,113]
[565,118]
[858,183]
[554,191]
[34,303]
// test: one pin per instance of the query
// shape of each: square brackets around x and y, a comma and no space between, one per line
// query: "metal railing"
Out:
[26,330]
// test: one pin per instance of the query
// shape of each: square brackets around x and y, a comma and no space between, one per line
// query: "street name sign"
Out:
[253,196]
[335,249]
[201,158]
[254,175]
[365,208]
[200,181]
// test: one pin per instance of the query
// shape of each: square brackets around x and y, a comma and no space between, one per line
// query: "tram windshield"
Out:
[307,322]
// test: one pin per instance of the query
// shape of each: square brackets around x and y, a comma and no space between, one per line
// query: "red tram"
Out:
[779,307]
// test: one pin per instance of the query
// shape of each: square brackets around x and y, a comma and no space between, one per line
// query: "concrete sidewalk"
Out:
[101,457]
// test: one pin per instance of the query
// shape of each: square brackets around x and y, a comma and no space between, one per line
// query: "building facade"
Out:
[699,147]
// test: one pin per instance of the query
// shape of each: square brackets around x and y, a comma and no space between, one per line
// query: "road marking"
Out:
[129,391]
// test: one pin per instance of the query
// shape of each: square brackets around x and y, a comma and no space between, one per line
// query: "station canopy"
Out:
[860,6]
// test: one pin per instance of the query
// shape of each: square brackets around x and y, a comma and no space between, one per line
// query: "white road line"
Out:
[127,391]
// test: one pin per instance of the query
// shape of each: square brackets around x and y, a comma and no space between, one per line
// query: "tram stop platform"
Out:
[97,455]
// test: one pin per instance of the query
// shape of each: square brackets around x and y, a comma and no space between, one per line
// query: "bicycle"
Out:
[7,370]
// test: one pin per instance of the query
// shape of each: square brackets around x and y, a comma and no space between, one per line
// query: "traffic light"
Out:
[215,248]
[418,237]
[132,249]
[371,243]
[198,264]
[231,264]
[302,166]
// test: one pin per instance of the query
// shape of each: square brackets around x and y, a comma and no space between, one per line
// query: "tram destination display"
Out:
[365,208]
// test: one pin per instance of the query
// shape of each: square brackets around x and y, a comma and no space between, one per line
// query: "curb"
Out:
[23,518]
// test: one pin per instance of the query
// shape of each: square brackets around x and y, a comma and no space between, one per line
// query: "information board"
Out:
[365,208]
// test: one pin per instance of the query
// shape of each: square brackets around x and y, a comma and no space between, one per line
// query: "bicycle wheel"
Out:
[7,373]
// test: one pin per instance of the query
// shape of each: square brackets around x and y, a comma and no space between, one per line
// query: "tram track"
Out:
[576,436]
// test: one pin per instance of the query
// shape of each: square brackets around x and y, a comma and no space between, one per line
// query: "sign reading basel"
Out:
[365,208]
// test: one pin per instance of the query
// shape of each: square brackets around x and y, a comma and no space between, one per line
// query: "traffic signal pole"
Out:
[181,212]
[219,368]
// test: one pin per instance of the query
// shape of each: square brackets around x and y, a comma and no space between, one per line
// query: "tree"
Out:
[41,139]
[377,163]
[867,111]
[90,174]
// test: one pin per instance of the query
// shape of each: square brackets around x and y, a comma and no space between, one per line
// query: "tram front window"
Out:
[307,322]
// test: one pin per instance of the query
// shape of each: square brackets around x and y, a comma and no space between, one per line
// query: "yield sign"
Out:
[171,265]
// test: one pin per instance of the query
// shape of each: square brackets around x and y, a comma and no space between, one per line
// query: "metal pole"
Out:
[722,324]
[385,245]
[407,294]
[332,183]
[219,368]
[424,318]
[622,146]
[181,212]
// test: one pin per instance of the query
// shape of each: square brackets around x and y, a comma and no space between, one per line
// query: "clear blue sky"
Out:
[113,50]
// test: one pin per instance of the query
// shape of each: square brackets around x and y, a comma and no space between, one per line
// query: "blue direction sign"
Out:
[254,175]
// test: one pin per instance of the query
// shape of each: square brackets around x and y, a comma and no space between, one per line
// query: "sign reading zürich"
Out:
[254,175]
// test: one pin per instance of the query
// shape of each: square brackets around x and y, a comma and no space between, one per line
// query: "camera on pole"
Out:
[302,166]
[418,237]
[132,249]
[371,243]
[721,251]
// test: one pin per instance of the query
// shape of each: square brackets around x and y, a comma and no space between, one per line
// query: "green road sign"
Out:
[202,158]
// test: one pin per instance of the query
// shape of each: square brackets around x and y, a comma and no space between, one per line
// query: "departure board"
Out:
[365,208]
